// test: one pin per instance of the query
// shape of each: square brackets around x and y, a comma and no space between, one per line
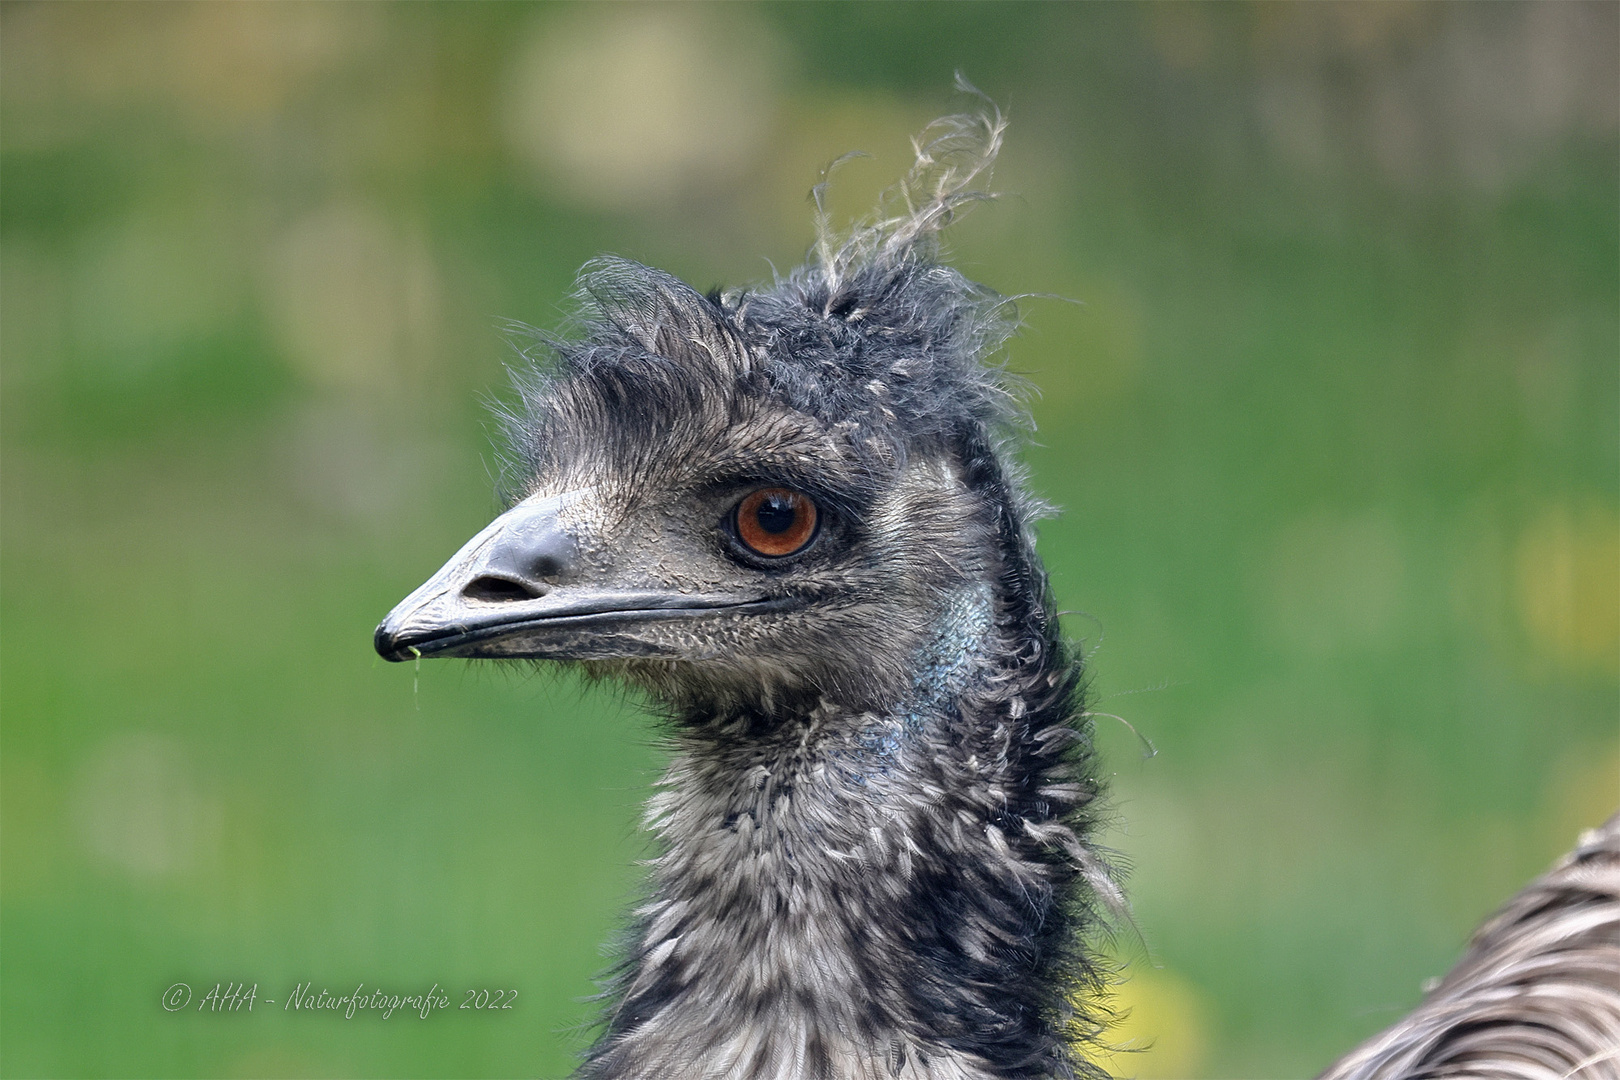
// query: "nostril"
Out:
[498,590]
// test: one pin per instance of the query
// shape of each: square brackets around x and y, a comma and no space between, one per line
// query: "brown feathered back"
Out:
[1537,994]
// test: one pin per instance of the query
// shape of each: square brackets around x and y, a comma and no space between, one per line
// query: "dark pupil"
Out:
[776,514]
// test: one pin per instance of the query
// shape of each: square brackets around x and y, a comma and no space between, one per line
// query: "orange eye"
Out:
[776,521]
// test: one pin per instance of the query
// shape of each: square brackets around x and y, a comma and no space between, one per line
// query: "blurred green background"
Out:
[1334,430]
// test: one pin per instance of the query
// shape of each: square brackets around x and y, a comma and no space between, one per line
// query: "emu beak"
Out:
[521,590]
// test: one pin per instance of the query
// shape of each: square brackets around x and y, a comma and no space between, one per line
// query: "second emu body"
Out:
[792,517]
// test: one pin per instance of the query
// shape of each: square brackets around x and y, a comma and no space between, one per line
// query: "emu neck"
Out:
[861,894]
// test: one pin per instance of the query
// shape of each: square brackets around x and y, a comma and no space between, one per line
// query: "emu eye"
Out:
[776,521]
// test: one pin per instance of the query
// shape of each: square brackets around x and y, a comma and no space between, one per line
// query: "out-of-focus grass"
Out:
[1334,429]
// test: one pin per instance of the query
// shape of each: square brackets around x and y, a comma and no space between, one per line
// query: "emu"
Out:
[792,518]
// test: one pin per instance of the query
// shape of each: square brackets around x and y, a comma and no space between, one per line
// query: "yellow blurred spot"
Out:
[1569,586]
[1285,30]
[623,107]
[1164,1030]
[354,298]
[217,66]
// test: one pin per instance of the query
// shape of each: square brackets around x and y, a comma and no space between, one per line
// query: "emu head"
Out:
[754,497]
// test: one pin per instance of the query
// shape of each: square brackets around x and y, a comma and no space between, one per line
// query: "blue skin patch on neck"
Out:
[944,665]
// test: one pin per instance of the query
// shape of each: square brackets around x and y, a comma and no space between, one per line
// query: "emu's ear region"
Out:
[521,589]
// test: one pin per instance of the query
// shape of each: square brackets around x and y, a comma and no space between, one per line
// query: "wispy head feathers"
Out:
[952,155]
[871,340]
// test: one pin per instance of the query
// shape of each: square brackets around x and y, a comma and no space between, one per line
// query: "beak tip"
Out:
[387,644]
